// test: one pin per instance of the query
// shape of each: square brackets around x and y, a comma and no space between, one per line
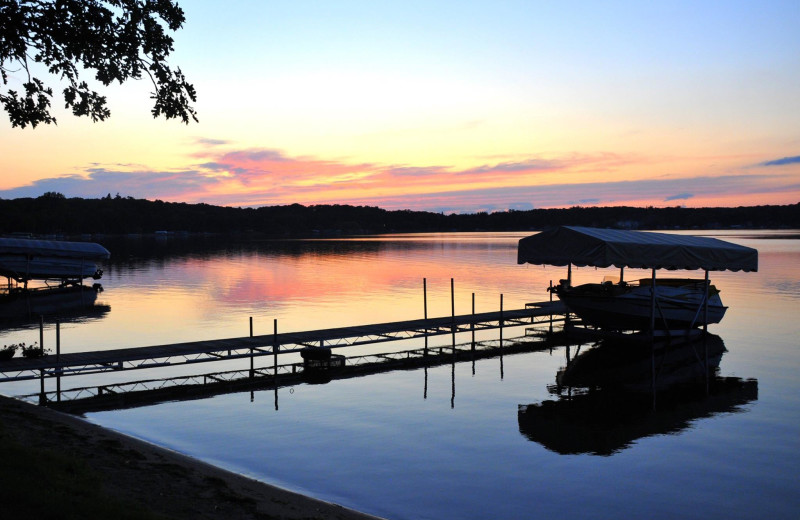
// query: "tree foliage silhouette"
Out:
[117,40]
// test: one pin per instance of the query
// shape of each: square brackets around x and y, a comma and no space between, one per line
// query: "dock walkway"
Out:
[76,363]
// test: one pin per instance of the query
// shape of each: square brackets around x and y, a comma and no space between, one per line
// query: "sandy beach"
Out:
[164,482]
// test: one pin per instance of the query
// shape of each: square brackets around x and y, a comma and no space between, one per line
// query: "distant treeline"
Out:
[52,213]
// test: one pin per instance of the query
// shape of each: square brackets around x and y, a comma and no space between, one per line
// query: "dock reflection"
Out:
[613,394]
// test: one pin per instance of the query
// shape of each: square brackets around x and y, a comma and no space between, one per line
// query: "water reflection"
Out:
[22,308]
[131,253]
[613,394]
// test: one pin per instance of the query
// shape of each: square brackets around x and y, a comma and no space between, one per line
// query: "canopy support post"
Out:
[705,305]
[653,305]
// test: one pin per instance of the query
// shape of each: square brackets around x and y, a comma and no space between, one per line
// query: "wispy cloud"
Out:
[205,141]
[521,166]
[679,196]
[782,162]
[264,176]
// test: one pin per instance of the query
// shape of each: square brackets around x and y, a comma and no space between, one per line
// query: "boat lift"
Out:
[584,246]
[23,260]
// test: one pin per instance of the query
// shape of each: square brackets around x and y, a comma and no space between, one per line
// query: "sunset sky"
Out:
[448,106]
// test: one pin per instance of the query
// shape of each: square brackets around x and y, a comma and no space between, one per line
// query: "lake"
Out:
[517,436]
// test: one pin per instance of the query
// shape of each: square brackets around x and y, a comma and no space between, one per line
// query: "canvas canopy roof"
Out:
[58,248]
[584,246]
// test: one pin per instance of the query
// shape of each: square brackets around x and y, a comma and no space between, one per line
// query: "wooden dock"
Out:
[80,363]
[147,392]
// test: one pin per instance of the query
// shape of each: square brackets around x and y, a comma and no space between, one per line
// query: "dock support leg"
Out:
[501,337]
[42,398]
[275,351]
[501,321]
[252,367]
[653,306]
[472,328]
[453,314]
[42,395]
[425,303]
[58,361]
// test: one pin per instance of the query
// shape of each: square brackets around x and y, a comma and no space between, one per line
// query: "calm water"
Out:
[450,441]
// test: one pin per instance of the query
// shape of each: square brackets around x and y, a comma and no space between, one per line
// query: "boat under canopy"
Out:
[672,304]
[25,259]
[585,246]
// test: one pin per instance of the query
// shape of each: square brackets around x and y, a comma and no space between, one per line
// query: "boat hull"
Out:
[44,268]
[26,259]
[615,307]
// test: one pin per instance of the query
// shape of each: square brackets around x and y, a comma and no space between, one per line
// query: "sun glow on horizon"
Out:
[486,107]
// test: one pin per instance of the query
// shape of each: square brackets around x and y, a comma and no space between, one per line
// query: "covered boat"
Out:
[646,304]
[24,259]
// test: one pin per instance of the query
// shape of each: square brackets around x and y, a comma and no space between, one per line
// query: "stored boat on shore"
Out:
[646,304]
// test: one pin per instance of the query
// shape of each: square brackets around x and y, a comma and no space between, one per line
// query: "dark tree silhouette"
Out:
[53,213]
[117,40]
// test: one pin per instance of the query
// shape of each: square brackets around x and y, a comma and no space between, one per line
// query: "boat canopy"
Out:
[585,246]
[53,248]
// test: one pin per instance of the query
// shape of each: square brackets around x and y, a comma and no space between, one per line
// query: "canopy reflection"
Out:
[614,393]
[19,309]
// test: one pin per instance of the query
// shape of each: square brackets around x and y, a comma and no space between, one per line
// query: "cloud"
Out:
[782,162]
[101,181]
[211,142]
[411,171]
[679,196]
[521,166]
[566,195]
[265,176]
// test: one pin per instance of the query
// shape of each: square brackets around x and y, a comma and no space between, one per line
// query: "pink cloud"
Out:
[264,176]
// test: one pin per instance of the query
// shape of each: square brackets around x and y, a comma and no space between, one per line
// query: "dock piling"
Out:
[275,350]
[252,366]
[472,323]
[453,312]
[425,303]
[58,361]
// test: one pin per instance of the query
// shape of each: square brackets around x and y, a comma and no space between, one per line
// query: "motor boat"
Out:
[679,303]
[24,259]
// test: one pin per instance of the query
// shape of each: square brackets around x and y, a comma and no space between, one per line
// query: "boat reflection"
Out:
[613,394]
[19,308]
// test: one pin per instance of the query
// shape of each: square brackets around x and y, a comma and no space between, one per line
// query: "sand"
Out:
[164,481]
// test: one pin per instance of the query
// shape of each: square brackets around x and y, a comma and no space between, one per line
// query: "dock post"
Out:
[42,395]
[453,314]
[58,361]
[652,305]
[705,305]
[705,331]
[275,351]
[501,337]
[452,299]
[252,367]
[501,321]
[42,398]
[472,323]
[425,303]
[551,301]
